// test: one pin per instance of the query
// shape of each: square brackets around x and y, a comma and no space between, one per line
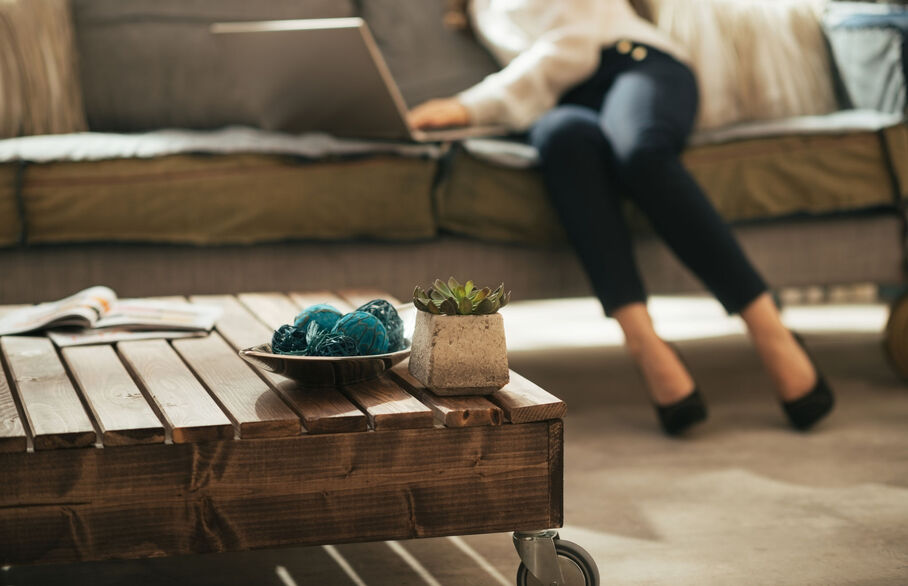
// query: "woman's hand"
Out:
[439,113]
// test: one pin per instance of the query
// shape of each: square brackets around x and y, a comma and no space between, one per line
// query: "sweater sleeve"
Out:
[533,81]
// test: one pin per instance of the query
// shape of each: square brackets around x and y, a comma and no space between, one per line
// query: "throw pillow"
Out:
[39,83]
[754,59]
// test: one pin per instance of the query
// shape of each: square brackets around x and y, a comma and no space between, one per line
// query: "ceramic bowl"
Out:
[323,371]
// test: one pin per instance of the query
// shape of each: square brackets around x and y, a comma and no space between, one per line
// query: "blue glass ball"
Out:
[290,340]
[389,317]
[323,314]
[366,330]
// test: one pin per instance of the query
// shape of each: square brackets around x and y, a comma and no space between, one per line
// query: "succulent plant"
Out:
[452,298]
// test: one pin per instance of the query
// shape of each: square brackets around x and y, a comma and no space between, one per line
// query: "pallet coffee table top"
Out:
[198,389]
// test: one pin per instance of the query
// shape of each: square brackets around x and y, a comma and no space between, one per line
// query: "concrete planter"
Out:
[459,354]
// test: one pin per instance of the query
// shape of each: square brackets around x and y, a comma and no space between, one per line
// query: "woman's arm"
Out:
[533,82]
[548,47]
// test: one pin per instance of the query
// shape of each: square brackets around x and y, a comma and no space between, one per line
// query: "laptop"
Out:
[320,75]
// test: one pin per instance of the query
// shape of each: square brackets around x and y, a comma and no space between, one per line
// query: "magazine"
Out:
[96,316]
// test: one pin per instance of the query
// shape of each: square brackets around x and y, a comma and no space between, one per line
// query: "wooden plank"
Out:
[322,410]
[13,437]
[452,411]
[388,405]
[155,500]
[307,298]
[189,412]
[49,401]
[123,415]
[556,471]
[357,297]
[275,309]
[523,401]
[251,404]
[12,432]
[237,325]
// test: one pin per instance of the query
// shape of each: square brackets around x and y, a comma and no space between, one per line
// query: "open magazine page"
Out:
[84,309]
[68,337]
[147,314]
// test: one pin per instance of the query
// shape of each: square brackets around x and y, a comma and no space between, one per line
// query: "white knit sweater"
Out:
[546,47]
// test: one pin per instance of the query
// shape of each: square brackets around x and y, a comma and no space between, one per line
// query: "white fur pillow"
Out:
[754,59]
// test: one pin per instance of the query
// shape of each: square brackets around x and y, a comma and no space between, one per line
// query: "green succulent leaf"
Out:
[465,307]
[436,295]
[453,285]
[481,294]
[468,287]
[418,293]
[442,288]
[448,307]
[485,306]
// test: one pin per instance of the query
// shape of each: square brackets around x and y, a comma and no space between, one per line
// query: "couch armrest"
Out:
[869,46]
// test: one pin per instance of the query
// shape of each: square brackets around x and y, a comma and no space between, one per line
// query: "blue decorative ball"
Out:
[289,340]
[384,311]
[323,314]
[334,344]
[366,330]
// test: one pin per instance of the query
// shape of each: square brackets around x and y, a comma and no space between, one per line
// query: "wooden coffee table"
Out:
[155,448]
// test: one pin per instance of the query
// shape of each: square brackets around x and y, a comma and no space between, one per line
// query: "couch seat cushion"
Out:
[755,172]
[225,187]
[9,211]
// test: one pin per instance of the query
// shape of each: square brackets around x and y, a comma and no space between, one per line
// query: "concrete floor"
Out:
[744,500]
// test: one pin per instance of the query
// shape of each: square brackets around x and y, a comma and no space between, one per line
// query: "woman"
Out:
[609,101]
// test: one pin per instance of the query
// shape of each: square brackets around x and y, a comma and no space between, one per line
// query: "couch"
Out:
[167,194]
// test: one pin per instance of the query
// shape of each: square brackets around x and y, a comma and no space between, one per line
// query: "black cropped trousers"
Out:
[620,134]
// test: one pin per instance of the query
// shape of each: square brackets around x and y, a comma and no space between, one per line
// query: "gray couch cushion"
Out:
[149,64]
[426,59]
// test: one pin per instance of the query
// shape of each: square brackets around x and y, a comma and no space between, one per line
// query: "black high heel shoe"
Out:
[804,412]
[676,418]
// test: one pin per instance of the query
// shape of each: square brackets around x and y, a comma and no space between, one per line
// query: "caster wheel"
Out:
[896,342]
[577,567]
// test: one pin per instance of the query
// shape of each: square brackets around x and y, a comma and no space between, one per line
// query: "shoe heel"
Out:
[805,412]
[676,418]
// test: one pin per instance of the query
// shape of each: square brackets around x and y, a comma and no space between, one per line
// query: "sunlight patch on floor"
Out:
[580,322]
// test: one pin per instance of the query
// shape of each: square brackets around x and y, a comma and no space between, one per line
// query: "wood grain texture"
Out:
[13,436]
[123,415]
[250,403]
[357,297]
[274,309]
[322,410]
[237,325]
[452,411]
[12,432]
[189,412]
[388,405]
[154,500]
[52,408]
[523,401]
[556,471]
[304,299]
